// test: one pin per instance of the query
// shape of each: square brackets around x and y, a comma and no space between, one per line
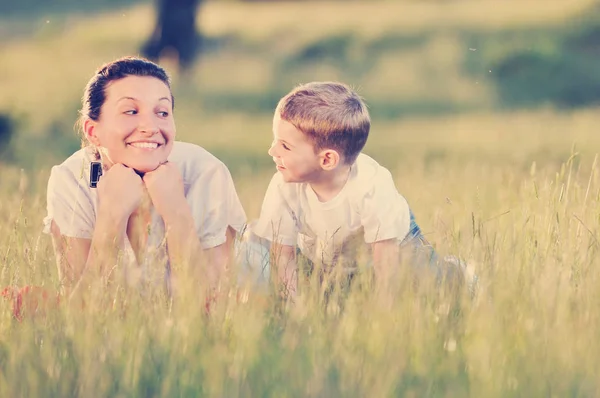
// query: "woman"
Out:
[159,203]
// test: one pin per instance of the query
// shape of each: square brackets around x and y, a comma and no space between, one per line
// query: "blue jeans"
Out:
[418,243]
[449,268]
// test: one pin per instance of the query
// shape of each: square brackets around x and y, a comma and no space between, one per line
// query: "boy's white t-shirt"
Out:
[208,188]
[368,209]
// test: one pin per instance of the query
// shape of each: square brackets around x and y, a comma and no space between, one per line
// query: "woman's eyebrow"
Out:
[135,99]
[127,98]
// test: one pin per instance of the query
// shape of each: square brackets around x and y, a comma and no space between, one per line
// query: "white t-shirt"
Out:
[208,188]
[367,209]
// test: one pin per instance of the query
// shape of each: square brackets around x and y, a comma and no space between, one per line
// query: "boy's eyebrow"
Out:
[287,143]
[284,141]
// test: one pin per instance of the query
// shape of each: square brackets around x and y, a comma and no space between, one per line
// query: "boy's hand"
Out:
[287,270]
[165,187]
[386,256]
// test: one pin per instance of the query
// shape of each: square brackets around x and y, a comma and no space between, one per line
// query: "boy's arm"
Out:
[284,259]
[385,216]
[386,257]
[276,224]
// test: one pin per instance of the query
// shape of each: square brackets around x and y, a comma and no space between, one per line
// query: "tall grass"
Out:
[530,330]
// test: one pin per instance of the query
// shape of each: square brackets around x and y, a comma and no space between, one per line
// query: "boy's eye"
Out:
[285,146]
[163,114]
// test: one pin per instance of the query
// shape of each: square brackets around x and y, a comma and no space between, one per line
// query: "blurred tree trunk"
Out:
[6,134]
[175,31]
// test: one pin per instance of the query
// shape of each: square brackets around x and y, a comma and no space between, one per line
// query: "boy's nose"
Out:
[271,150]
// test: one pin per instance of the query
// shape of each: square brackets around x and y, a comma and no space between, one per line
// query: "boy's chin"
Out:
[284,177]
[288,178]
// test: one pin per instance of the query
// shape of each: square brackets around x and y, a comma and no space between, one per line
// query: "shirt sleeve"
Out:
[385,213]
[69,205]
[215,206]
[276,222]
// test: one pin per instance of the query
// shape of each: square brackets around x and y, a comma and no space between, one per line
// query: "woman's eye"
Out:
[285,147]
[163,114]
[130,112]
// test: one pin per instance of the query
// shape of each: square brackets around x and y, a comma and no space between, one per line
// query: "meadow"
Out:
[515,193]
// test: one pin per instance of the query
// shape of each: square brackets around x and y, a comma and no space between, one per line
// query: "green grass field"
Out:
[517,194]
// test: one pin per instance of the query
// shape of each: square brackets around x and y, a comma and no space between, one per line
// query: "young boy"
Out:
[327,198]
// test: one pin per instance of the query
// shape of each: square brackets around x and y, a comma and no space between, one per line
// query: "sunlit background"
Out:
[486,112]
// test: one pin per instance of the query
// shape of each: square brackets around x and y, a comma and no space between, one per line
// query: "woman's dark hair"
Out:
[95,91]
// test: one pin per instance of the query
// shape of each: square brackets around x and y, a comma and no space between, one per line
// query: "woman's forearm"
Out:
[107,243]
[183,245]
[209,266]
[184,249]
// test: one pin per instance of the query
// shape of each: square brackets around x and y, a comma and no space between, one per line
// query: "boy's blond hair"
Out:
[330,114]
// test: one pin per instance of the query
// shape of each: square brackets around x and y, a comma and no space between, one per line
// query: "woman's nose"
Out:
[148,125]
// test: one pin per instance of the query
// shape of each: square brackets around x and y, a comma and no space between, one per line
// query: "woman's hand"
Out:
[120,192]
[165,187]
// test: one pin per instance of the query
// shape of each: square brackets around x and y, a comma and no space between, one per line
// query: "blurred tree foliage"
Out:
[565,74]
[9,8]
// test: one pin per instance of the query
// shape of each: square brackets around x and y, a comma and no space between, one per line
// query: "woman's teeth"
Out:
[145,145]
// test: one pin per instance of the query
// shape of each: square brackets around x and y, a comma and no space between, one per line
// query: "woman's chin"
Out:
[142,168]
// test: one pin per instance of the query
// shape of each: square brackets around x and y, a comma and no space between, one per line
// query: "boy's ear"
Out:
[89,129]
[329,159]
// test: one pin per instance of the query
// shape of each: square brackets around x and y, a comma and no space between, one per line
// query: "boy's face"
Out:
[293,153]
[136,126]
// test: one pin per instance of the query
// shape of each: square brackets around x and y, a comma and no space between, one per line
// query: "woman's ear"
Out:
[329,159]
[89,129]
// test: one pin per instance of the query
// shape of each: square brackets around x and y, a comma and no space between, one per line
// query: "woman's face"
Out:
[136,126]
